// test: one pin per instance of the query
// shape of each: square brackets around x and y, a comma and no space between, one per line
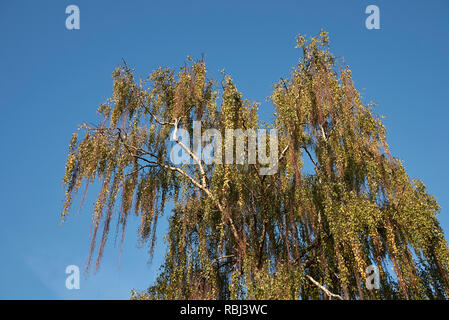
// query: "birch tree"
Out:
[236,234]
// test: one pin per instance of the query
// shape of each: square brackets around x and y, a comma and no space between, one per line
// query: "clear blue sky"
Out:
[53,79]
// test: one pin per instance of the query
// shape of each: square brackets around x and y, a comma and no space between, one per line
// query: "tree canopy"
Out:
[236,234]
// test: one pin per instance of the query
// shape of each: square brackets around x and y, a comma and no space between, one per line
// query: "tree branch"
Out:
[310,156]
[202,186]
[191,154]
[330,294]
[283,153]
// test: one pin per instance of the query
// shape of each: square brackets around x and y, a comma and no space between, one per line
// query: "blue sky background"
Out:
[53,79]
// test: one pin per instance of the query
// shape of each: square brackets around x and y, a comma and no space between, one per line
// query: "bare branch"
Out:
[191,154]
[283,153]
[330,294]
[323,133]
[163,123]
[310,157]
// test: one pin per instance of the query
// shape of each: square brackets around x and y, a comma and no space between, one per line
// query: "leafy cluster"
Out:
[234,234]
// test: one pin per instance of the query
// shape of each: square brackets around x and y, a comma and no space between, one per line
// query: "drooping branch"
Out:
[202,186]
